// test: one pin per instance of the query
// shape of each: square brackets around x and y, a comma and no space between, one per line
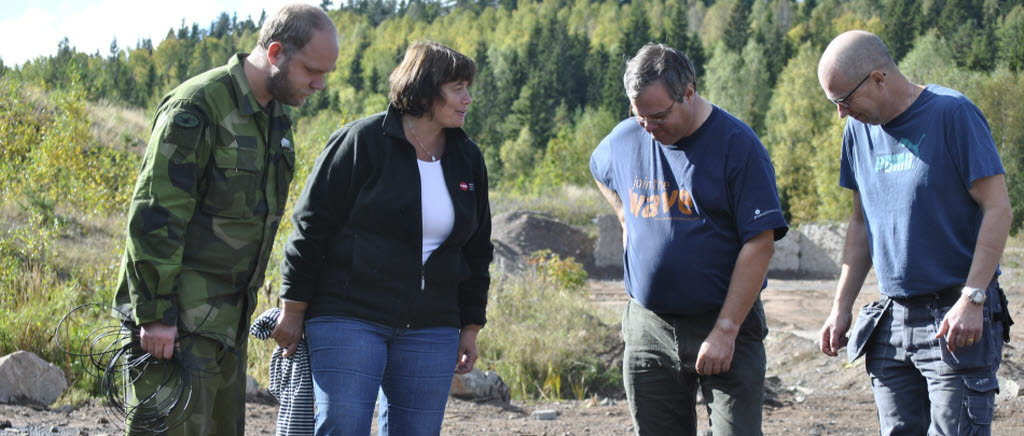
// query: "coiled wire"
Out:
[112,354]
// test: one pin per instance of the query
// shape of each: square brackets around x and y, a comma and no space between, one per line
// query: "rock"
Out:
[24,376]
[5,424]
[252,387]
[480,386]
[809,251]
[821,250]
[608,250]
[545,414]
[786,260]
[516,235]
[54,429]
[1008,389]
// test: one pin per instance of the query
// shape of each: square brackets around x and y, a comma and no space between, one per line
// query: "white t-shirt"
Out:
[438,212]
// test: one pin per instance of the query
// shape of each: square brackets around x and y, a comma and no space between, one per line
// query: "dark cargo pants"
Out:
[661,380]
[206,389]
[919,385]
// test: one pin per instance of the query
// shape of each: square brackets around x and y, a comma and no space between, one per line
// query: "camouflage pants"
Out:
[204,391]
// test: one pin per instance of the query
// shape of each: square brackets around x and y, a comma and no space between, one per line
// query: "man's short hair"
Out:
[293,26]
[659,63]
[415,84]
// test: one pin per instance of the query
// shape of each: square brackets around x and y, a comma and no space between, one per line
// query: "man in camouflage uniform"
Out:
[207,204]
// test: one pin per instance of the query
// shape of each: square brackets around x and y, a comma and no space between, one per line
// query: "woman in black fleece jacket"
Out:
[386,269]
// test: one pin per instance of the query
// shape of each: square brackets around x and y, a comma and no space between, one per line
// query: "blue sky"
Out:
[33,28]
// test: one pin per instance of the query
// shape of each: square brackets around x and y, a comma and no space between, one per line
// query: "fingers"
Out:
[825,341]
[465,364]
[466,361]
[943,329]
[707,365]
[838,341]
[159,349]
[290,350]
[830,342]
[166,350]
[158,339]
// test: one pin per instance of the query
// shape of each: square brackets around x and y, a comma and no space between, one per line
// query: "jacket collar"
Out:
[392,126]
[246,101]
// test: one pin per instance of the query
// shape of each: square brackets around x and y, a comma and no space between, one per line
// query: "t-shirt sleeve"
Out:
[971,145]
[755,196]
[600,164]
[847,179]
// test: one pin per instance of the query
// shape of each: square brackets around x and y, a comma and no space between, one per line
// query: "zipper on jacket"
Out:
[423,279]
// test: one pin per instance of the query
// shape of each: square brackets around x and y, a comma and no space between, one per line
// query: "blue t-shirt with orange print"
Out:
[689,208]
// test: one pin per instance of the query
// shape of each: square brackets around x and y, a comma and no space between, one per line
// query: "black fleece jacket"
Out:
[356,249]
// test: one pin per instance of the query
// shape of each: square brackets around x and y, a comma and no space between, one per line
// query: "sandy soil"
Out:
[809,393]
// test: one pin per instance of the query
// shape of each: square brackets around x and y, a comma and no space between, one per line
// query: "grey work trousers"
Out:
[661,380]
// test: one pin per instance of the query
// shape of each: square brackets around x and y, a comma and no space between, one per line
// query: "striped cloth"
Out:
[290,381]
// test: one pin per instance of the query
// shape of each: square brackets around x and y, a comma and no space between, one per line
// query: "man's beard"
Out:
[281,89]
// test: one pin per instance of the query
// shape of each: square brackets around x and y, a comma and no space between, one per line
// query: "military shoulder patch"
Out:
[186,120]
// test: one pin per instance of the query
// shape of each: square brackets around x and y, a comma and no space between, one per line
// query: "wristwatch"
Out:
[976,295]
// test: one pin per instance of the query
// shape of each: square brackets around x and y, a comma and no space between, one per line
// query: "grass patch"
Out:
[543,337]
[574,205]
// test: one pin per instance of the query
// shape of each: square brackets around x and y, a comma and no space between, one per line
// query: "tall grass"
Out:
[574,205]
[543,337]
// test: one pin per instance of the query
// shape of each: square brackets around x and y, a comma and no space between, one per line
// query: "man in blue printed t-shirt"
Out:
[695,192]
[931,213]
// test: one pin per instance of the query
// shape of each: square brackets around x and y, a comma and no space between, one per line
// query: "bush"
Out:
[59,190]
[543,337]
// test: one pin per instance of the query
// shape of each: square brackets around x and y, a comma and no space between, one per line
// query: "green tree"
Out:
[929,60]
[998,96]
[738,27]
[721,79]
[518,157]
[678,36]
[567,157]
[803,137]
[1010,36]
[898,33]
[637,30]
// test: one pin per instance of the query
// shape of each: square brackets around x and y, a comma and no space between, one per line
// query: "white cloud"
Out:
[23,37]
[92,25]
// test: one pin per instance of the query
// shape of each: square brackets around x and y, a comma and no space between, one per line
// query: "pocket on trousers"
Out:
[865,325]
[982,354]
[979,402]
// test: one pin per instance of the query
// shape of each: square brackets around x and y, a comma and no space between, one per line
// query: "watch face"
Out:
[978,296]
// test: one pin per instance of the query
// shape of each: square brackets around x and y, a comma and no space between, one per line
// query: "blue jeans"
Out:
[351,360]
[658,369]
[919,386]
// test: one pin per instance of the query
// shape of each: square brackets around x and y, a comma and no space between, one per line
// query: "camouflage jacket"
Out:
[208,201]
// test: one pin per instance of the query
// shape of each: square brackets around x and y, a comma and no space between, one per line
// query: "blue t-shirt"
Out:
[689,208]
[913,175]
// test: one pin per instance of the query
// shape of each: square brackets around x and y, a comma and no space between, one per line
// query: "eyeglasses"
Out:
[844,100]
[653,120]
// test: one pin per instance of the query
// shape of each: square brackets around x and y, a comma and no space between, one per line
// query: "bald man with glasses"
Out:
[932,214]
[695,192]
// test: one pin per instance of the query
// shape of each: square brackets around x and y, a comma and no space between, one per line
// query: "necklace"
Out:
[420,142]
